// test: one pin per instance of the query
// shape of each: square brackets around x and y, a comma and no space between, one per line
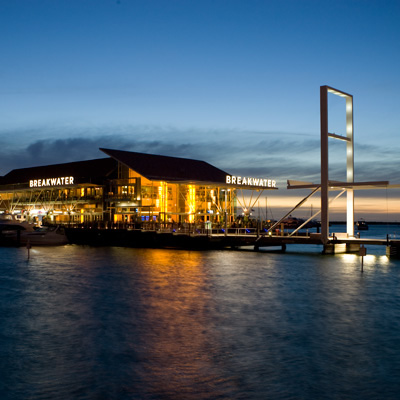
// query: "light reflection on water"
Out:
[113,323]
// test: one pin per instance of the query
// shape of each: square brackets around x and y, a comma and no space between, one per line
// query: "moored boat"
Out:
[44,236]
[362,225]
[292,222]
[15,233]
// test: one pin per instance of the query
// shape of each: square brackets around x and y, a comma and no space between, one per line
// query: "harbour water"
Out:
[80,322]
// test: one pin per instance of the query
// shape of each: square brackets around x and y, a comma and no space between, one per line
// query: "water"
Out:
[114,323]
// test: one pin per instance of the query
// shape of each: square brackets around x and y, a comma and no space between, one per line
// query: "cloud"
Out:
[280,156]
[256,158]
[223,148]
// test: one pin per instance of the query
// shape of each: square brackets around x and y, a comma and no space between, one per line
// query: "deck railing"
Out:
[185,228]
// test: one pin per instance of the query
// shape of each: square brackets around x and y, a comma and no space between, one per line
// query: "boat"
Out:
[292,222]
[15,233]
[44,236]
[362,225]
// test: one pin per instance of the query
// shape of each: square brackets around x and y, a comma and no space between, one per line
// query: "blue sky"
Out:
[235,83]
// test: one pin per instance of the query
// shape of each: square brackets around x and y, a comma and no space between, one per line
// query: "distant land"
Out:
[368,222]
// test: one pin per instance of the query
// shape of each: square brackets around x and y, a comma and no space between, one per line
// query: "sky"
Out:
[235,83]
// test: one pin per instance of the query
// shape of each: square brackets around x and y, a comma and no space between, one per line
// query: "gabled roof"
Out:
[165,168]
[90,171]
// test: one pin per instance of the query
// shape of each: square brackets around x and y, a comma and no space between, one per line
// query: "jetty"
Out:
[196,237]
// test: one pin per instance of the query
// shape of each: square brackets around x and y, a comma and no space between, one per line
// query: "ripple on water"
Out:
[114,323]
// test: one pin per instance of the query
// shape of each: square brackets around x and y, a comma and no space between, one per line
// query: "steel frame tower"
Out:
[324,90]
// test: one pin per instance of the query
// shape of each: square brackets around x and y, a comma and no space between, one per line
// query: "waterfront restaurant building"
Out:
[126,187]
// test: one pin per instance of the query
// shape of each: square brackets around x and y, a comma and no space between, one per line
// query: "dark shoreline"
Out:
[368,222]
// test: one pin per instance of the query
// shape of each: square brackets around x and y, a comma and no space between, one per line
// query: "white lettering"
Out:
[230,179]
[62,180]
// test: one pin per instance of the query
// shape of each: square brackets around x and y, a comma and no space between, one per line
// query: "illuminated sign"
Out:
[247,181]
[64,180]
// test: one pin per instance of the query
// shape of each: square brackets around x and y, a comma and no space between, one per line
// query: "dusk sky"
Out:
[231,82]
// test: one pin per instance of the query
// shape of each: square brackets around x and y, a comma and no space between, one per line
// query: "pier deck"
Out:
[219,239]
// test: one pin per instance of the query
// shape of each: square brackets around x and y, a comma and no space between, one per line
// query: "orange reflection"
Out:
[178,329]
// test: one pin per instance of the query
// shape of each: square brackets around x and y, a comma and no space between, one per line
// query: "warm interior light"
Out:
[191,201]
[162,195]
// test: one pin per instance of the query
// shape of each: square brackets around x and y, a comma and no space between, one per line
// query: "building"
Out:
[127,187]
[167,189]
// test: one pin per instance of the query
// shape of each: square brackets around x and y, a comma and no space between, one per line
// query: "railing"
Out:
[173,227]
[122,197]
[57,200]
[186,228]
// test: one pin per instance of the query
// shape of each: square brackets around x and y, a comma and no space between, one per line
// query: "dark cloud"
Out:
[246,158]
[384,170]
[47,151]
[223,148]
[279,156]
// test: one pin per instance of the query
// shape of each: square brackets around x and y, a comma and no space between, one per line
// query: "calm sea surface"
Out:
[114,323]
